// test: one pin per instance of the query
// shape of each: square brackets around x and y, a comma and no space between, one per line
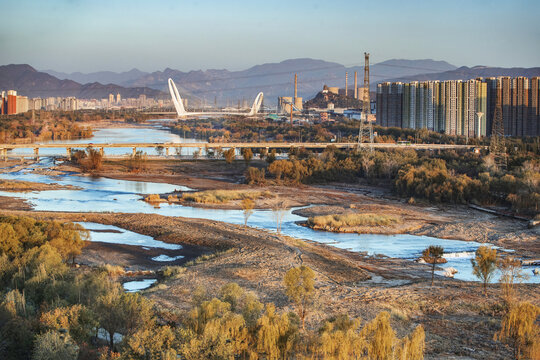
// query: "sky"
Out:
[118,35]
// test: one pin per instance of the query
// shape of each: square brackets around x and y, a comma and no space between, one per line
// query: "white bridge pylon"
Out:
[181,111]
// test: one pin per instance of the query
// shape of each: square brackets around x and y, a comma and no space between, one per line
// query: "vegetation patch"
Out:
[344,222]
[224,196]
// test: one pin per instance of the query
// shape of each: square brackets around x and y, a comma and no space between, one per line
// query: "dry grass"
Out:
[224,196]
[349,220]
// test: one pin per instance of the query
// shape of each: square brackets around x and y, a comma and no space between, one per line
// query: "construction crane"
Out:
[365,132]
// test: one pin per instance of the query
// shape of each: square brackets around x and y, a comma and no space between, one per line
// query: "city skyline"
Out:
[73,36]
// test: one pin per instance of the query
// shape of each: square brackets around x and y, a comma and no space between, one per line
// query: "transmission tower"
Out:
[366,128]
[497,145]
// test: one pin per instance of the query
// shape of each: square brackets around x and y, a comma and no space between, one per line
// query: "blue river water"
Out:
[108,195]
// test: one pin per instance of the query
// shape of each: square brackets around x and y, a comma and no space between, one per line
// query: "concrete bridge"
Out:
[4,148]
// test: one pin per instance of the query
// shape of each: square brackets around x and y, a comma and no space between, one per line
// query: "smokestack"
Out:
[355,85]
[295,87]
[346,83]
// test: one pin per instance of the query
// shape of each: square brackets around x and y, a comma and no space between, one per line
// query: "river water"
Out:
[108,195]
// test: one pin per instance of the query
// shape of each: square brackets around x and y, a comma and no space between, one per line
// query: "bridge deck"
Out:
[235,145]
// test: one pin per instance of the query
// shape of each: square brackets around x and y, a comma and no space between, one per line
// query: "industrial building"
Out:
[457,107]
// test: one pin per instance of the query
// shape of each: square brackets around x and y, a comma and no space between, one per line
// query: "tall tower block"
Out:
[356,85]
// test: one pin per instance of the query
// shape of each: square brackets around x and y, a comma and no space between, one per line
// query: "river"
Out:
[108,195]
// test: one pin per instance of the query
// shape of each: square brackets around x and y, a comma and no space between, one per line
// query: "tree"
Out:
[55,346]
[380,337]
[123,313]
[484,264]
[299,287]
[519,328]
[247,153]
[510,269]
[278,211]
[229,154]
[276,334]
[94,159]
[160,149]
[247,207]
[433,255]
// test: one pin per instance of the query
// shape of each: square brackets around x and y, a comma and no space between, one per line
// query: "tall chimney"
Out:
[355,85]
[295,87]
[346,83]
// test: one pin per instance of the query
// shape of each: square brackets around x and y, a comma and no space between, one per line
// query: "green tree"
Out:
[433,255]
[54,346]
[300,288]
[247,208]
[519,328]
[484,264]
[160,149]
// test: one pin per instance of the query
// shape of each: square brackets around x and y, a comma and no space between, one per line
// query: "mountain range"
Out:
[32,83]
[274,79]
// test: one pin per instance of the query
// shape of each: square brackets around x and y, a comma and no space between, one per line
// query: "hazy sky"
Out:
[73,35]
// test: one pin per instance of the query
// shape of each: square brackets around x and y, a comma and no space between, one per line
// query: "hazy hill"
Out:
[465,73]
[103,77]
[32,83]
[276,79]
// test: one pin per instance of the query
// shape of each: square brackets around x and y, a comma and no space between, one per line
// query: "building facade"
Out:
[465,108]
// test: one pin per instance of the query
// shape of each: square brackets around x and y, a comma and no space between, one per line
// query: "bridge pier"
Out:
[134,152]
[101,151]
[36,153]
[4,154]
[68,153]
[167,151]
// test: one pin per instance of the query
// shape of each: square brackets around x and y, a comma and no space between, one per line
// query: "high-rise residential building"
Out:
[3,103]
[533,126]
[458,107]
[111,99]
[11,102]
[22,104]
[118,99]
[481,108]
[520,106]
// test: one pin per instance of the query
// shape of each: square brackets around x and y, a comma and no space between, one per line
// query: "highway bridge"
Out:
[6,148]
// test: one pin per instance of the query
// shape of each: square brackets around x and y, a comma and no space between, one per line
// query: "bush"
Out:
[349,220]
[223,196]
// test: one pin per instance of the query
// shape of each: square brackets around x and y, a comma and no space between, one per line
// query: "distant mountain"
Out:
[276,79]
[103,77]
[32,83]
[466,73]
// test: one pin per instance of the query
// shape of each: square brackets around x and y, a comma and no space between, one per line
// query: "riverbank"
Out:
[446,221]
[458,320]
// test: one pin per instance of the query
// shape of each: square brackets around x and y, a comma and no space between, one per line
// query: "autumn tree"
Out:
[247,154]
[299,287]
[484,264]
[229,154]
[124,313]
[510,269]
[278,212]
[520,330]
[433,255]
[276,334]
[55,346]
[247,208]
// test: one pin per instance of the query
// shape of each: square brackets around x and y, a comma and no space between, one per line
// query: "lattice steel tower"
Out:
[497,145]
[366,128]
